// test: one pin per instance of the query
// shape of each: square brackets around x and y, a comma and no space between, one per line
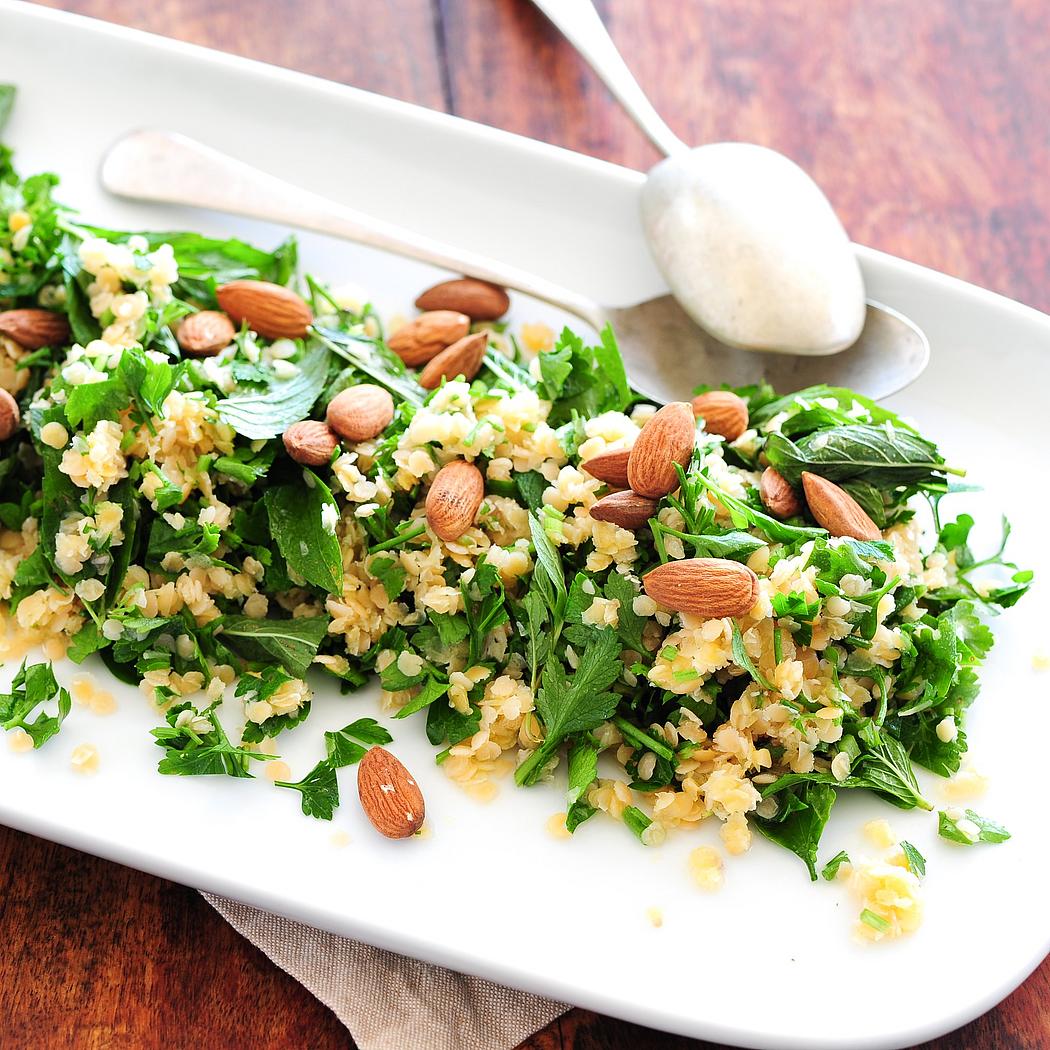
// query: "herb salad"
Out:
[224,489]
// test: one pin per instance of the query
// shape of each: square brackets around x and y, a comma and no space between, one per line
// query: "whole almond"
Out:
[708,587]
[33,328]
[389,795]
[310,442]
[837,510]
[778,496]
[454,497]
[479,300]
[724,412]
[272,310]
[360,412]
[205,333]
[9,415]
[425,336]
[610,467]
[666,439]
[626,509]
[462,358]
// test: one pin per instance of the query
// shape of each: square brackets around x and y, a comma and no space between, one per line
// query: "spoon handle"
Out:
[581,25]
[174,169]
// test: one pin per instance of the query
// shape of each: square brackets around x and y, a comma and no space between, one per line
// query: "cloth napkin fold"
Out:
[388,1001]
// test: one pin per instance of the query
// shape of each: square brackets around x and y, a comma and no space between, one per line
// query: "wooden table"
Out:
[925,122]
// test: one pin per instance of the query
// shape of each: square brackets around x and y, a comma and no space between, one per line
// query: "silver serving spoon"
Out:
[749,244]
[666,354]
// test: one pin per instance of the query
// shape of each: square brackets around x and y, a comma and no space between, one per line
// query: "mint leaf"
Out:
[268,412]
[298,523]
[800,820]
[291,643]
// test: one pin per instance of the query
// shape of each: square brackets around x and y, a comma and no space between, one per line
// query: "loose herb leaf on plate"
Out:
[33,686]
[319,790]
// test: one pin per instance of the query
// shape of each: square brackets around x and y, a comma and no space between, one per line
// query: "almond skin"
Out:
[778,496]
[708,587]
[360,412]
[310,442]
[272,310]
[724,412]
[610,467]
[33,328]
[462,358]
[9,415]
[454,498]
[479,300]
[205,333]
[389,795]
[836,510]
[427,335]
[626,509]
[667,439]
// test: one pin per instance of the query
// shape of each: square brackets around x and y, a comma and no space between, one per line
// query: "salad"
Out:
[225,484]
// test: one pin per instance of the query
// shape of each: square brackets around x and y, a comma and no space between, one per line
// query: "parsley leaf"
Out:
[319,790]
[33,686]
[341,745]
[573,705]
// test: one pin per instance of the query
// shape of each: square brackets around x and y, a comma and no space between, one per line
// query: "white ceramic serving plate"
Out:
[768,961]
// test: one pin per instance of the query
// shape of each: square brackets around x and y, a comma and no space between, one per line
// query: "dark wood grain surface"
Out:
[925,122]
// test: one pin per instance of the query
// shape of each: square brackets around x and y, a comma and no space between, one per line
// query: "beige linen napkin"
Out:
[388,1001]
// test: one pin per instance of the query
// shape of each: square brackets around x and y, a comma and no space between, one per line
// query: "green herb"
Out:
[800,820]
[574,705]
[831,869]
[303,534]
[343,746]
[916,861]
[583,380]
[291,643]
[742,659]
[637,822]
[319,790]
[266,413]
[987,830]
[188,753]
[33,686]
[583,770]
[876,922]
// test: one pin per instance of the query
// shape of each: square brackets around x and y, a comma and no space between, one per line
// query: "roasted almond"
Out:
[626,509]
[9,415]
[724,413]
[360,412]
[479,300]
[205,333]
[837,510]
[708,587]
[389,795]
[425,336]
[272,310]
[610,467]
[462,358]
[34,328]
[666,439]
[777,495]
[310,442]
[454,497]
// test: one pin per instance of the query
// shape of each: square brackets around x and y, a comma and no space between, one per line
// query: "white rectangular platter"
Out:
[768,961]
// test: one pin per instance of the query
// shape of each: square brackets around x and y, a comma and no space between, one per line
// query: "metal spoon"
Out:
[749,244]
[665,352]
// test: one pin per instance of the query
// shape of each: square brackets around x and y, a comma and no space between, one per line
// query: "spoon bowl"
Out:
[753,251]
